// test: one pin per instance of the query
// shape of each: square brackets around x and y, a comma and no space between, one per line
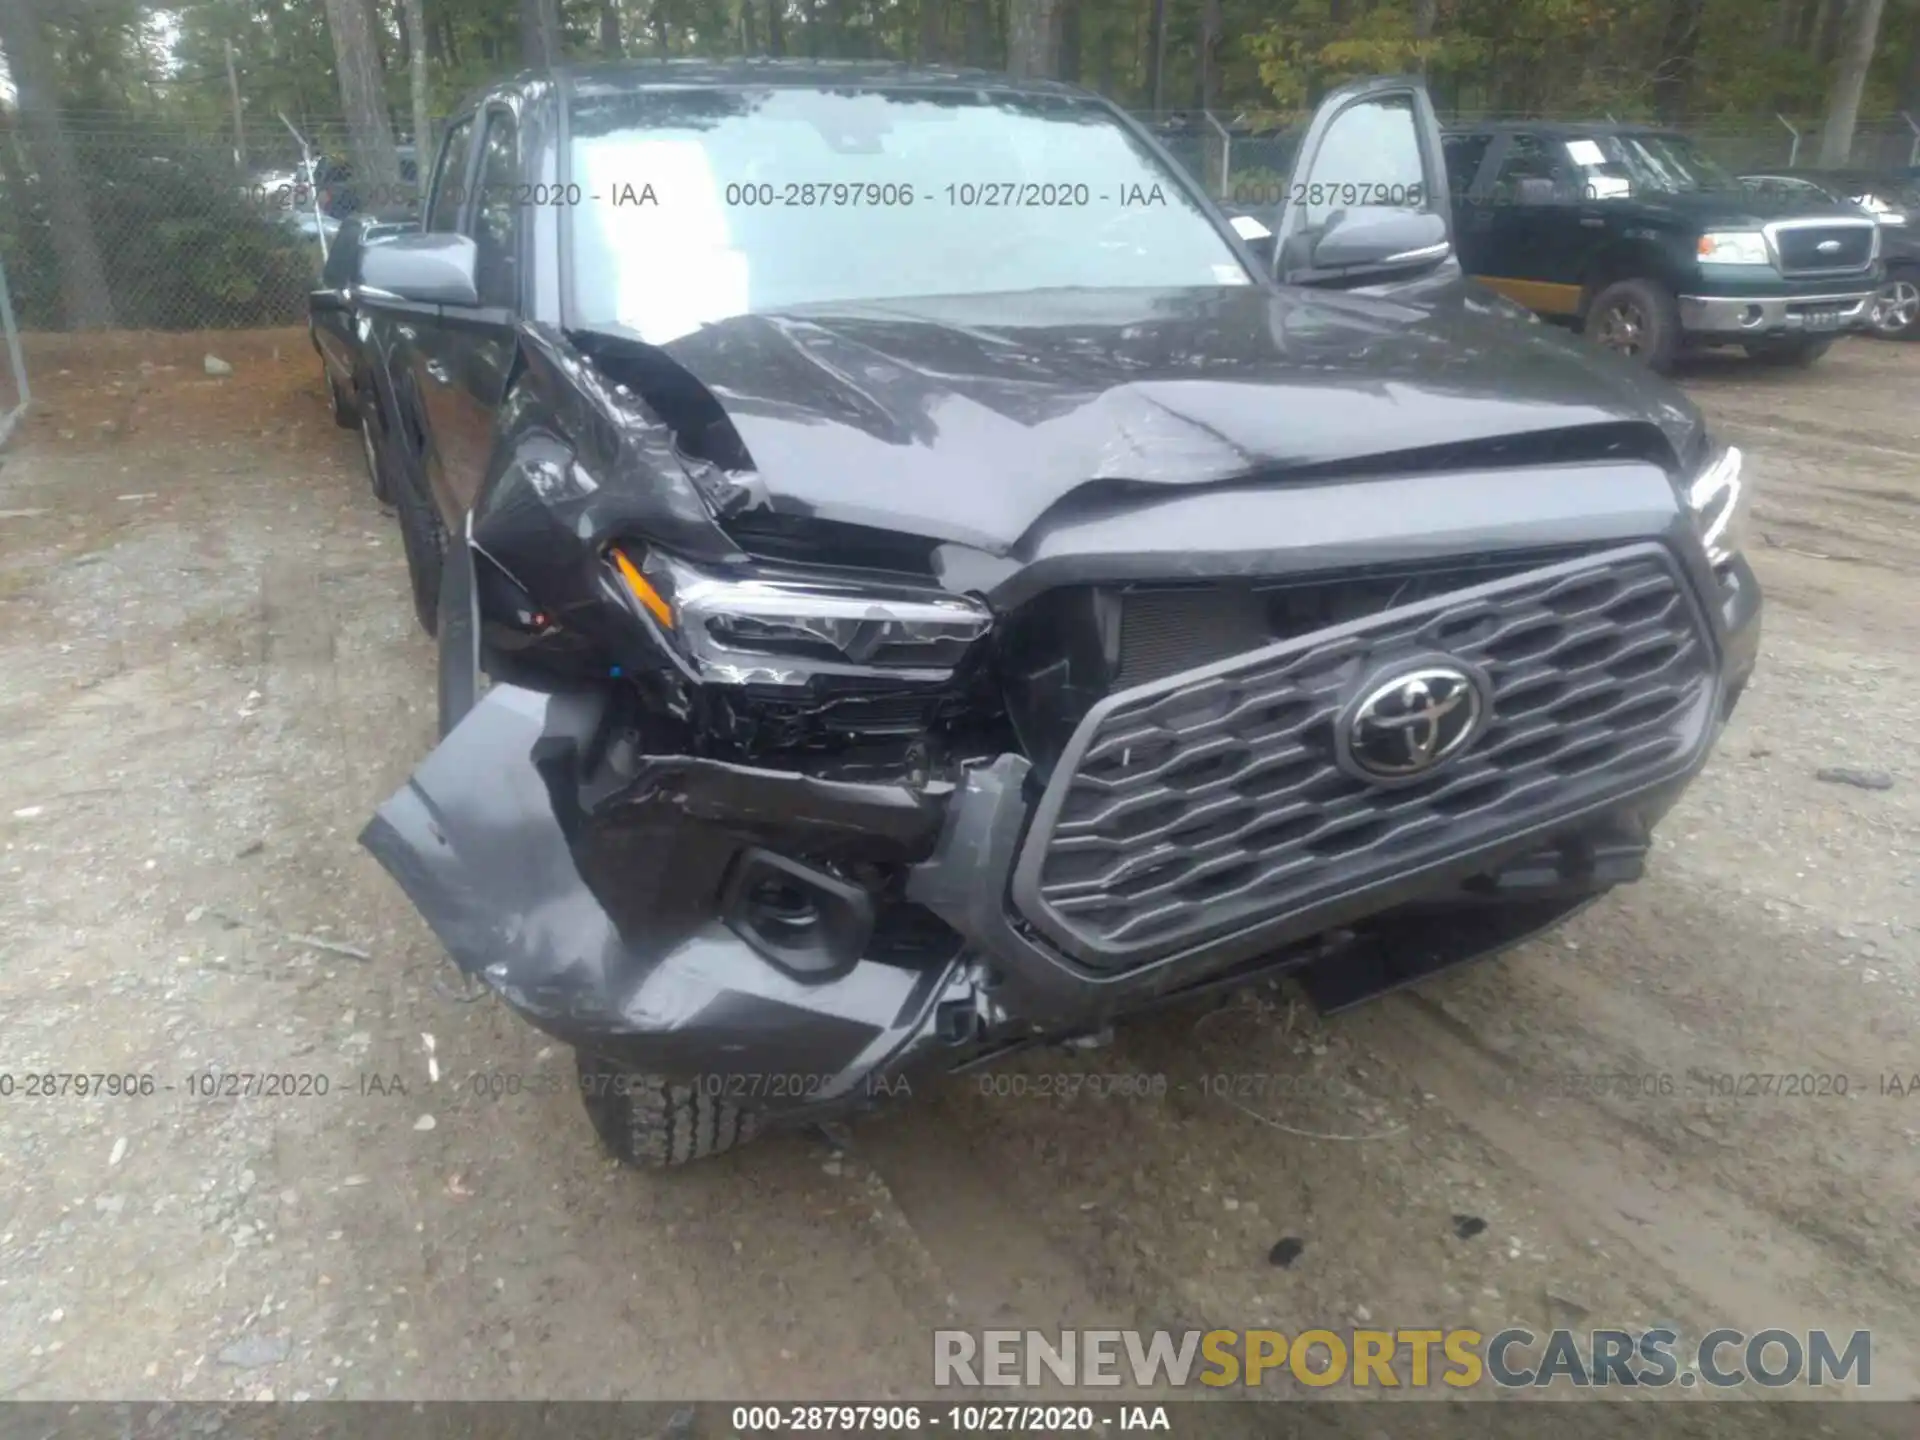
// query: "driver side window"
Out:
[1370,155]
[450,180]
[495,225]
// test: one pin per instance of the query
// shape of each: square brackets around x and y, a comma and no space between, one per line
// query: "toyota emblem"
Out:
[1406,722]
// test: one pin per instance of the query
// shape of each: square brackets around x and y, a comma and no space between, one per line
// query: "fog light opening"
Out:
[783,903]
[809,923]
[1752,316]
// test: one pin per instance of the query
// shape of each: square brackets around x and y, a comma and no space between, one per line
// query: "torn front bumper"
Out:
[612,912]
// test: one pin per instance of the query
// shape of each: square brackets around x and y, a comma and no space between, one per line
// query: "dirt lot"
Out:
[209,676]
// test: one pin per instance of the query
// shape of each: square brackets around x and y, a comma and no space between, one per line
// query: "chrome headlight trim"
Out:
[1715,497]
[783,630]
[1734,247]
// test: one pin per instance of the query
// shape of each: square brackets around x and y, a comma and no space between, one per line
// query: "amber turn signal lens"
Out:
[642,591]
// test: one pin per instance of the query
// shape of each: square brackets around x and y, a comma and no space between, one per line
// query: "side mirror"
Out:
[1376,239]
[431,269]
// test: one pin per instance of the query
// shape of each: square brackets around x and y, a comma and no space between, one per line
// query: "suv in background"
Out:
[1894,202]
[1648,245]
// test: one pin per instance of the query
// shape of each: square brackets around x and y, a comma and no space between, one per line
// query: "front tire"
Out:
[1799,351]
[1895,312]
[654,1123]
[1636,319]
[343,413]
[377,480]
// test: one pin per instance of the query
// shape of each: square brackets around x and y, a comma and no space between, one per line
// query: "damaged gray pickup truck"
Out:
[914,579]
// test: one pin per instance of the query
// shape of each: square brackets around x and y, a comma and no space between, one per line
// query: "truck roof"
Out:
[618,75]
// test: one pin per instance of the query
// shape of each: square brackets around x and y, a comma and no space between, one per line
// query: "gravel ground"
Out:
[209,676]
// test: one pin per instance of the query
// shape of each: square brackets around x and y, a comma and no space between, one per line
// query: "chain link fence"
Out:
[185,229]
[197,226]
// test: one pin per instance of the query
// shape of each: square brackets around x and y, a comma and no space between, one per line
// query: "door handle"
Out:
[1593,222]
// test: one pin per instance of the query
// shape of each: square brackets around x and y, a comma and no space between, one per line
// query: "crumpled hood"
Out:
[968,419]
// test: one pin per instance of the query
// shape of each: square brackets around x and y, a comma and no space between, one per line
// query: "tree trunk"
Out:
[1780,32]
[1209,56]
[776,28]
[376,28]
[376,171]
[413,18]
[12,173]
[749,29]
[1157,56]
[1833,17]
[1843,110]
[1807,24]
[979,36]
[1673,76]
[1910,82]
[1066,49]
[1426,17]
[539,34]
[610,29]
[83,280]
[1029,37]
[933,32]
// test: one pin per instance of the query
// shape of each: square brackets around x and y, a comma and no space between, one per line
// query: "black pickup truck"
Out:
[1648,246]
[912,581]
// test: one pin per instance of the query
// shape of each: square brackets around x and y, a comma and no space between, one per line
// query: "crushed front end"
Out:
[797,829]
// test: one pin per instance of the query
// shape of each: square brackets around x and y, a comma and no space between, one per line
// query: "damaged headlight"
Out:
[1715,498]
[765,631]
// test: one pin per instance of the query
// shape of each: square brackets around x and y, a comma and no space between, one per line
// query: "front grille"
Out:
[1801,253]
[1211,802]
[1167,629]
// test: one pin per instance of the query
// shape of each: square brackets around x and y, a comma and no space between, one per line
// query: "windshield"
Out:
[696,205]
[1647,162]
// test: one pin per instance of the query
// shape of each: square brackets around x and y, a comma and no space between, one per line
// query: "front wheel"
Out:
[1796,350]
[1636,319]
[337,405]
[654,1123]
[377,480]
[1895,312]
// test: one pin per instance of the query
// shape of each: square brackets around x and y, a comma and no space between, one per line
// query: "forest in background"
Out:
[1672,59]
[102,89]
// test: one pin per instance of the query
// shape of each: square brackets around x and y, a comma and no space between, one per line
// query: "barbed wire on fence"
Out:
[188,238]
